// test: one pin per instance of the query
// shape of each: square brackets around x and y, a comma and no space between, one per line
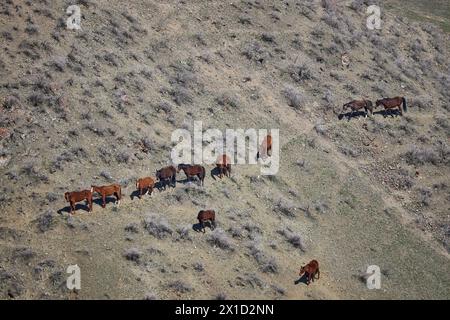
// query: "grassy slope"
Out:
[189,57]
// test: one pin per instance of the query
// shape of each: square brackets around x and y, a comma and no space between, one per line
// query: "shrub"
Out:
[421,155]
[293,238]
[294,98]
[133,254]
[157,226]
[179,286]
[45,221]
[220,239]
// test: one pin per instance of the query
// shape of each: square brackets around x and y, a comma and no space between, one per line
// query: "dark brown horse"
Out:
[311,270]
[207,215]
[167,175]
[105,191]
[392,103]
[145,183]
[359,104]
[224,165]
[265,149]
[193,170]
[77,196]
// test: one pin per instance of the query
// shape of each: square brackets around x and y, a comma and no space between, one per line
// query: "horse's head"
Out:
[181,166]
[378,102]
[345,106]
[158,174]
[66,196]
[369,103]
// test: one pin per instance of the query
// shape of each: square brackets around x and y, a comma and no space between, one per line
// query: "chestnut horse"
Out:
[77,196]
[266,147]
[104,191]
[145,183]
[391,103]
[193,170]
[224,165]
[167,175]
[311,270]
[207,215]
[359,104]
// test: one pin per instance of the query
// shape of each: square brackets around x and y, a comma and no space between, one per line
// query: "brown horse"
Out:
[110,190]
[207,215]
[392,103]
[311,270]
[224,165]
[265,148]
[359,104]
[193,170]
[77,196]
[167,175]
[145,183]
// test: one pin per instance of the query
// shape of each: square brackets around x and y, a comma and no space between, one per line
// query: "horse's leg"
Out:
[72,207]
[203,226]
[104,200]
[318,274]
[400,109]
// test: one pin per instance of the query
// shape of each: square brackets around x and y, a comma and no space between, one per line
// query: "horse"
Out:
[311,270]
[77,196]
[104,191]
[167,174]
[359,104]
[224,166]
[145,183]
[265,148]
[391,103]
[207,215]
[193,170]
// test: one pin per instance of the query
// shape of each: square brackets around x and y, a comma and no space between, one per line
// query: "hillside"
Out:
[99,105]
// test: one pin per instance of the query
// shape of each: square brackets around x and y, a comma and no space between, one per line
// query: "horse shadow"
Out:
[388,112]
[302,279]
[197,227]
[350,115]
[160,185]
[215,172]
[78,206]
[134,194]
[108,199]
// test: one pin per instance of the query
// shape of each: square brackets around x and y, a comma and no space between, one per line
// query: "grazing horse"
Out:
[224,165]
[167,175]
[104,191]
[207,215]
[77,196]
[193,170]
[311,270]
[391,103]
[359,104]
[265,149]
[145,183]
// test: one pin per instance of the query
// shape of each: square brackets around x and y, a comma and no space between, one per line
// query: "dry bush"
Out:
[294,98]
[293,238]
[220,239]
[179,286]
[133,254]
[158,227]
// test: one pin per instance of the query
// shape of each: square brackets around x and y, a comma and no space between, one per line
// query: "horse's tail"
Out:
[404,104]
[203,173]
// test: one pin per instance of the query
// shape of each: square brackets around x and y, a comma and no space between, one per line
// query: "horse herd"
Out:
[387,103]
[167,177]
